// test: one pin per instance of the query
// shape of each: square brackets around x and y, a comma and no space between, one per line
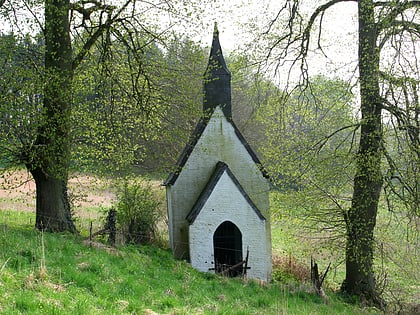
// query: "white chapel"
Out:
[218,195]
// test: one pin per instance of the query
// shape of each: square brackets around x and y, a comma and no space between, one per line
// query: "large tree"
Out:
[71,29]
[388,82]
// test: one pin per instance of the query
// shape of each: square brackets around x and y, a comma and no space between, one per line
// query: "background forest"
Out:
[113,91]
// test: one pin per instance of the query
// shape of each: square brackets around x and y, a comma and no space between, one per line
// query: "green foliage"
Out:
[396,250]
[179,75]
[137,212]
[315,238]
[129,108]
[134,108]
[397,255]
[308,153]
[251,92]
[307,139]
[20,97]
[135,90]
[388,85]
[402,169]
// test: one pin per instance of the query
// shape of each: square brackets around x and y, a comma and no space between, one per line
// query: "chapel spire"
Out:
[217,90]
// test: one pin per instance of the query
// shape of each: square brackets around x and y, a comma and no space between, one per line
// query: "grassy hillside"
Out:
[63,274]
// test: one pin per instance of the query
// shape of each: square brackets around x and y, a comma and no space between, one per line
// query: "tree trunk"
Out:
[51,152]
[52,204]
[361,218]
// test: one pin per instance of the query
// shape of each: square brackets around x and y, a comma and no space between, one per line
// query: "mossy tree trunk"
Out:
[361,217]
[51,152]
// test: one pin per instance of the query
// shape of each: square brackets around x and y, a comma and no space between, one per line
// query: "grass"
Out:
[63,274]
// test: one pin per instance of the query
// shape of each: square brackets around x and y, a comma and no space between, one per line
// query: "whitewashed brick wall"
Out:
[218,142]
[226,203]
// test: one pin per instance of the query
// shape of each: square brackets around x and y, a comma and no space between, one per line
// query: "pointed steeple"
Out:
[217,90]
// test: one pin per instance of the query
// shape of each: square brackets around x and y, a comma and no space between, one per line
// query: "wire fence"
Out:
[89,227]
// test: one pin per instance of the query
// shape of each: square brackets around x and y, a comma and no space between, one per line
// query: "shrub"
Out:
[287,268]
[137,212]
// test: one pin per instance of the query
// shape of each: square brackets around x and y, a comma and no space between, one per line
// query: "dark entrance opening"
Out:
[227,242]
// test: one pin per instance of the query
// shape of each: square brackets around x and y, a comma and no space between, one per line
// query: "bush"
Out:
[288,269]
[137,212]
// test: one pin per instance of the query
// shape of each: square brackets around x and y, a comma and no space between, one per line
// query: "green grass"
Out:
[62,274]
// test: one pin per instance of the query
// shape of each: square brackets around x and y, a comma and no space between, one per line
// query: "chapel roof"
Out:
[220,169]
[199,129]
[217,77]
[217,93]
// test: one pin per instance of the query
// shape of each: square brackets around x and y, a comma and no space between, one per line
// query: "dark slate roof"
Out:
[221,168]
[216,63]
[217,86]
[217,93]
[193,141]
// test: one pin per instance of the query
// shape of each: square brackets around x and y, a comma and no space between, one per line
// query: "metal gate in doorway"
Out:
[227,244]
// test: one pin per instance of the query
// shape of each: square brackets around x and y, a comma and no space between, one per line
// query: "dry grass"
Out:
[90,198]
[17,192]
[87,194]
[292,266]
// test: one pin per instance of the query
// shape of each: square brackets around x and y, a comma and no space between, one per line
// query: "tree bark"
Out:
[51,152]
[361,217]
[53,208]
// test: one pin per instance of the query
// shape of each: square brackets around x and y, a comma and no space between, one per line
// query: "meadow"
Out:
[44,273]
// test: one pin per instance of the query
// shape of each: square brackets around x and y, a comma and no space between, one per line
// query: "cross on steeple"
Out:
[217,90]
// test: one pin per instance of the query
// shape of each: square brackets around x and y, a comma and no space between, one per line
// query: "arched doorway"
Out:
[227,243]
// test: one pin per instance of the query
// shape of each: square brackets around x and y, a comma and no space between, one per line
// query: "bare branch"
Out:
[318,11]
[408,4]
[86,12]
[324,140]
[388,20]
[90,42]
[400,27]
[273,21]
[100,30]
[28,7]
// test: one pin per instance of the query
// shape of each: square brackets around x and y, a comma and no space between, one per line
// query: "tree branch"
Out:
[90,42]
[318,11]
[321,143]
[399,27]
[408,4]
[86,12]
[399,81]
[409,26]
[396,9]
[100,29]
